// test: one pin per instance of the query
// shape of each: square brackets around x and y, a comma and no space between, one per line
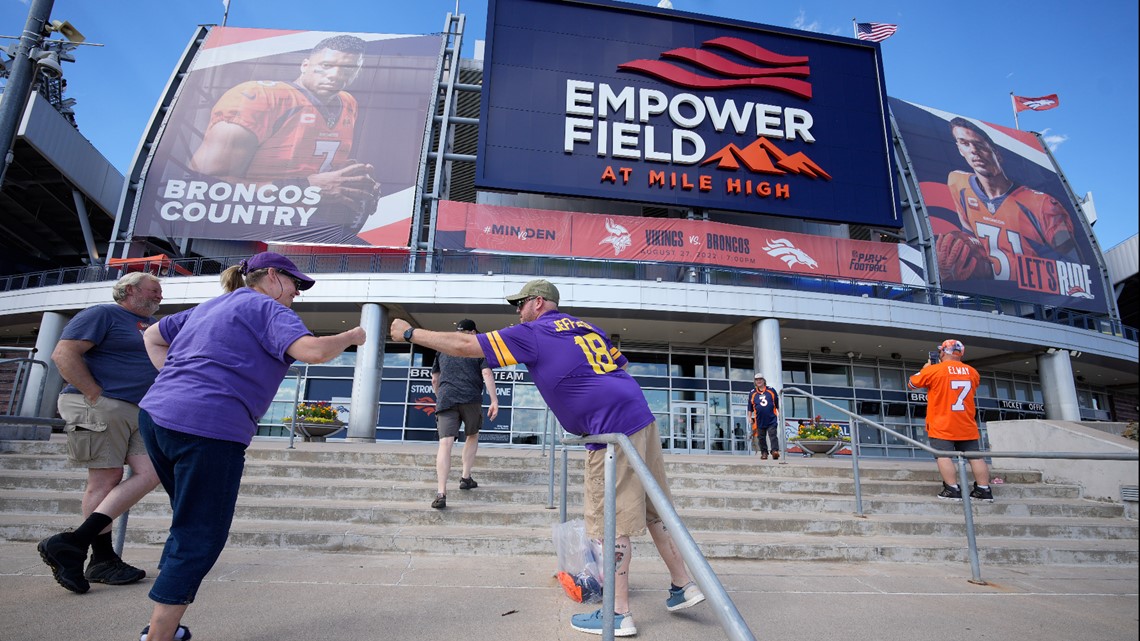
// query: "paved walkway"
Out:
[275,595]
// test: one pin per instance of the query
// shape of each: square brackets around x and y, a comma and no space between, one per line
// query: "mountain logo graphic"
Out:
[709,70]
[764,157]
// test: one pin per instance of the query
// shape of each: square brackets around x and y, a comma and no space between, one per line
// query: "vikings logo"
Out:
[619,237]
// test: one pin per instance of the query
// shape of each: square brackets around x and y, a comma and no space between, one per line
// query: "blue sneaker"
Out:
[592,623]
[686,597]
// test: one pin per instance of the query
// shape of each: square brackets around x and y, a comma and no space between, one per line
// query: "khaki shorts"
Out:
[102,435]
[470,414]
[634,510]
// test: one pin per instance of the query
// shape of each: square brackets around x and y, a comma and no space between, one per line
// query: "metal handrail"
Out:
[960,460]
[19,389]
[730,619]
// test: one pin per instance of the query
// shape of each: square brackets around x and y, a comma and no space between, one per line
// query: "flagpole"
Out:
[226,14]
[854,28]
[1013,103]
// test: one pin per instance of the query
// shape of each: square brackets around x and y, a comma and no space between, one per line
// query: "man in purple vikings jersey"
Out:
[582,378]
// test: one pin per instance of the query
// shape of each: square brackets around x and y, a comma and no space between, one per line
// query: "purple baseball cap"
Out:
[265,260]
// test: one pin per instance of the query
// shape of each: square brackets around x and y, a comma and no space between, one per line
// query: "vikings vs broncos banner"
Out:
[293,136]
[492,228]
[1003,222]
[616,101]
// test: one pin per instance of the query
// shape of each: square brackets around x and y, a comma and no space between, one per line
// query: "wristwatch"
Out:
[408,334]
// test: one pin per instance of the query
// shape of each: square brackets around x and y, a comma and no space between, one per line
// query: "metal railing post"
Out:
[562,503]
[550,437]
[609,542]
[968,508]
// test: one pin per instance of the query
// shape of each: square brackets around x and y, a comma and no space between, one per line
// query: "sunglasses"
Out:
[297,282]
[522,303]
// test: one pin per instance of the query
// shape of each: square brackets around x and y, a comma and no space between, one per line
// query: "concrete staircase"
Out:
[374,498]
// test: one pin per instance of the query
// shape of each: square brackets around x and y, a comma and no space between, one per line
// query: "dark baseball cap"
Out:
[538,287]
[466,325]
[265,260]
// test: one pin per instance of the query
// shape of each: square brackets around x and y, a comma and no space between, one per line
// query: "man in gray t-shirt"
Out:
[458,384]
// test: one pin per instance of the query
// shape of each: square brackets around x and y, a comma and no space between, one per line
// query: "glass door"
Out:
[690,428]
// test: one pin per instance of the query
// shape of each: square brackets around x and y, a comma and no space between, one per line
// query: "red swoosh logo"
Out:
[772,71]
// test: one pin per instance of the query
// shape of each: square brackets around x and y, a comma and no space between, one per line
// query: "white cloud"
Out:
[1053,141]
[801,22]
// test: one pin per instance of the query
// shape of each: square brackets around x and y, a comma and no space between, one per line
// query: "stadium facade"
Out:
[722,198]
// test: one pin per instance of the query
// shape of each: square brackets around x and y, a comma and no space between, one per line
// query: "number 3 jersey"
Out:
[577,371]
[950,388]
[1023,221]
[296,134]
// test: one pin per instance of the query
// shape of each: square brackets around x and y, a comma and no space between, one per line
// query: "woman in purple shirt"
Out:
[220,365]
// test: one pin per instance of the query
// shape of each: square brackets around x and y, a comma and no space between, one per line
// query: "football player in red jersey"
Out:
[297,133]
[1000,219]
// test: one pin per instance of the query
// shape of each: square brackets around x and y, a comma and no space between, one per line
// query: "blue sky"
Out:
[964,56]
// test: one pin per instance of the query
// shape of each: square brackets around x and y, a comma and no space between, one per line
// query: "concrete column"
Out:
[51,328]
[364,408]
[1058,387]
[766,351]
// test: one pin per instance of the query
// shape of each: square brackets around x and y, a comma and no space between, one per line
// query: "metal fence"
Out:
[451,262]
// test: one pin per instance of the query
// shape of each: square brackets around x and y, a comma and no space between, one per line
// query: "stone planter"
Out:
[821,447]
[316,432]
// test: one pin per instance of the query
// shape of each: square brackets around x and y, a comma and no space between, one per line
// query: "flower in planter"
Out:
[819,430]
[315,412]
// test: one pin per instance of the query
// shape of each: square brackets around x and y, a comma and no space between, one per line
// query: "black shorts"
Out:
[972,445]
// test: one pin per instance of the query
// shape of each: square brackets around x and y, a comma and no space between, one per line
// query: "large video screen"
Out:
[1003,222]
[627,102]
[293,136]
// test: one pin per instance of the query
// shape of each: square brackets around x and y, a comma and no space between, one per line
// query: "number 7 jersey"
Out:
[578,372]
[950,410]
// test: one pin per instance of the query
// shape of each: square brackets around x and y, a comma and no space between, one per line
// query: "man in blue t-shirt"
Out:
[102,357]
[582,378]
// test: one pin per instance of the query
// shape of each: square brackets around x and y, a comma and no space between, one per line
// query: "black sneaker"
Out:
[114,572]
[467,483]
[181,634]
[66,562]
[440,501]
[950,493]
[982,494]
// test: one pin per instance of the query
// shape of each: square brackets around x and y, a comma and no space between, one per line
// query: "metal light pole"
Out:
[19,85]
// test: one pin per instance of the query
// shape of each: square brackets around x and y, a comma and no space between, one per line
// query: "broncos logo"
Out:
[783,249]
[425,404]
[619,237]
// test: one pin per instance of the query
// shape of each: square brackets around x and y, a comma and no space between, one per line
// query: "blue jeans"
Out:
[202,476]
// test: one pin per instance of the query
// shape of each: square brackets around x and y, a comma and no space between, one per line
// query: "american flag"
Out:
[875,31]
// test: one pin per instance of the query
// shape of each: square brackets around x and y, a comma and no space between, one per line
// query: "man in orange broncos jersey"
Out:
[951,420]
[1000,219]
[297,133]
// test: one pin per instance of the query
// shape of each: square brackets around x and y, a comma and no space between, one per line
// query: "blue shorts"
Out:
[202,476]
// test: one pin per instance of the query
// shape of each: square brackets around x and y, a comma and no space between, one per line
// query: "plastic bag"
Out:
[579,562]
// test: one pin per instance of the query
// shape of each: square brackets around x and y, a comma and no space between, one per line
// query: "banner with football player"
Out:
[293,136]
[500,229]
[1003,222]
